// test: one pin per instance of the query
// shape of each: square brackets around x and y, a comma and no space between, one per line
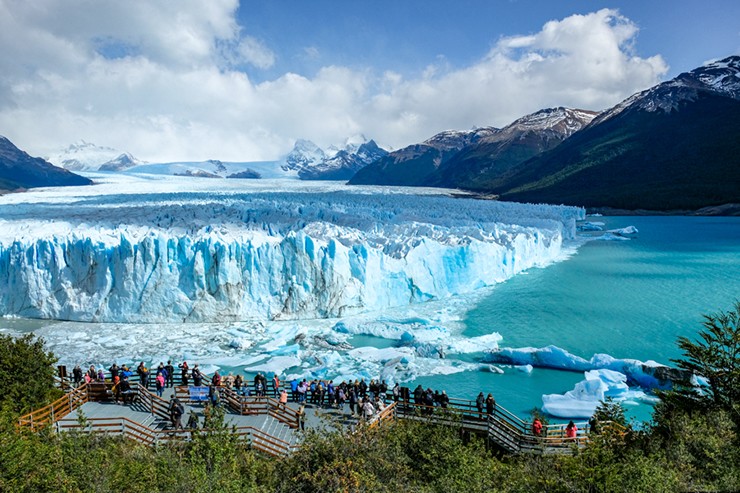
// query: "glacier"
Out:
[143,249]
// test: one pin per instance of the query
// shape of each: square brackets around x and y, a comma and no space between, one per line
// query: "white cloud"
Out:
[160,80]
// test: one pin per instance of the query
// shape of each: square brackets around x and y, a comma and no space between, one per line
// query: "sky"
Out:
[243,80]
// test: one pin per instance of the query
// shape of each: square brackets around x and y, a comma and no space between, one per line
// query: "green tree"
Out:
[715,358]
[26,373]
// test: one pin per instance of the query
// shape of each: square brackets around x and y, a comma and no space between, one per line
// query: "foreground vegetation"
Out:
[691,445]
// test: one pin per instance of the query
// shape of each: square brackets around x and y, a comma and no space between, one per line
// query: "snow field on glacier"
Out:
[144,250]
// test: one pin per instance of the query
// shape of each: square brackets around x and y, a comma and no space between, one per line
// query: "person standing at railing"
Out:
[444,400]
[160,382]
[184,373]
[170,374]
[571,431]
[490,404]
[216,379]
[276,384]
[197,376]
[367,409]
[238,384]
[537,427]
[77,375]
[114,370]
[353,401]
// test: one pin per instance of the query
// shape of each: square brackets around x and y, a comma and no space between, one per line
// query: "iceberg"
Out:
[582,401]
[145,251]
[646,374]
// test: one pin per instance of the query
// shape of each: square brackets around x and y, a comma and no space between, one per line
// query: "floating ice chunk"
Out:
[525,368]
[647,374]
[627,231]
[277,364]
[590,226]
[582,401]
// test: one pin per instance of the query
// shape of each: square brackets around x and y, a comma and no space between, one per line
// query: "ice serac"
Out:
[201,256]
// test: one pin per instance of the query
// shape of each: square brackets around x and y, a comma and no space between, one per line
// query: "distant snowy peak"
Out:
[85,156]
[121,163]
[720,77]
[305,153]
[310,162]
[457,139]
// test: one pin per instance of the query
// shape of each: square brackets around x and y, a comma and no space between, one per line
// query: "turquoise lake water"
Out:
[629,299]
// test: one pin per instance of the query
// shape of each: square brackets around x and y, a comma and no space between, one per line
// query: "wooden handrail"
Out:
[35,420]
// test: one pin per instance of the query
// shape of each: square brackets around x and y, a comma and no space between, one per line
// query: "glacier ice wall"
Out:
[227,255]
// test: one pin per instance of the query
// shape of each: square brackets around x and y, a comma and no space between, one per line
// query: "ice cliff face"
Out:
[224,255]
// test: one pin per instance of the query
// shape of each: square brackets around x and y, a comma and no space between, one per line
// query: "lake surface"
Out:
[629,299]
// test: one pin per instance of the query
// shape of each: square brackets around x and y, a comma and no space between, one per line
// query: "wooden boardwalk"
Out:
[272,428]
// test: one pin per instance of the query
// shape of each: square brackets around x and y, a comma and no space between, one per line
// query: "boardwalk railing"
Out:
[138,432]
[55,411]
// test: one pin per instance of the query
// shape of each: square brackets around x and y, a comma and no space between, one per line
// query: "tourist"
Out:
[143,373]
[418,395]
[302,417]
[170,374]
[341,397]
[114,370]
[197,376]
[92,374]
[479,402]
[160,382]
[444,400]
[216,379]
[276,384]
[396,392]
[593,425]
[125,390]
[571,431]
[537,427]
[176,410]
[283,398]
[77,375]
[302,389]
[238,384]
[367,409]
[101,376]
[184,373]
[353,401]
[383,390]
[490,404]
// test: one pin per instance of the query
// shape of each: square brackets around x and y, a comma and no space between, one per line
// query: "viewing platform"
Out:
[274,429]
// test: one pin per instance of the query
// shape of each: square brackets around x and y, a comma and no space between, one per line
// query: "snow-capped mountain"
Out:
[19,170]
[309,162]
[412,165]
[673,146]
[721,77]
[482,165]
[86,156]
[120,163]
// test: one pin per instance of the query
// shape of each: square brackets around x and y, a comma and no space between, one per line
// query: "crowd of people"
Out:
[364,399]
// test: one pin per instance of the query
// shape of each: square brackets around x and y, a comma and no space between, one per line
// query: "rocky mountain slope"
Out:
[481,165]
[674,146]
[415,164]
[19,170]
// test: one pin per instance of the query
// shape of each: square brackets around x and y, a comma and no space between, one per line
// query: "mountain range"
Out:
[675,146]
[309,162]
[18,170]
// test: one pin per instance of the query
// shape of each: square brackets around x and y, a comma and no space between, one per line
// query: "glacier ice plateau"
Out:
[145,249]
